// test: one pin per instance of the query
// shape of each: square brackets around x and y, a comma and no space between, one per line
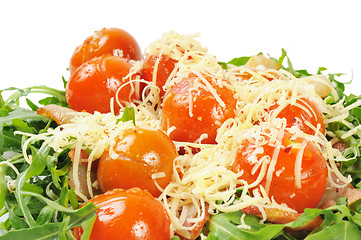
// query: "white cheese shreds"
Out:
[203,181]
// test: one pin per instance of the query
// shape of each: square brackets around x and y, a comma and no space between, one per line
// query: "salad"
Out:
[174,144]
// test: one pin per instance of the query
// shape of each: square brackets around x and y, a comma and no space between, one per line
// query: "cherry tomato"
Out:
[283,186]
[297,114]
[140,154]
[164,69]
[194,112]
[131,214]
[106,41]
[94,83]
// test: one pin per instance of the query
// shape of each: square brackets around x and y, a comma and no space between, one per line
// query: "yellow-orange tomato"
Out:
[140,153]
[194,111]
[94,83]
[106,41]
[298,114]
[283,184]
[165,66]
[132,214]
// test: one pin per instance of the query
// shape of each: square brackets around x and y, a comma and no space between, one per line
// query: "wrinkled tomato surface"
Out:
[132,214]
[139,154]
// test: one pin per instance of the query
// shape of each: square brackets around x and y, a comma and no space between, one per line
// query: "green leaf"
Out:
[64,82]
[175,238]
[23,114]
[39,161]
[73,199]
[224,226]
[240,61]
[22,126]
[3,185]
[342,230]
[51,231]
[45,216]
[128,115]
[31,105]
[308,215]
[20,199]
[16,222]
[63,228]
[87,227]
[45,232]
[28,187]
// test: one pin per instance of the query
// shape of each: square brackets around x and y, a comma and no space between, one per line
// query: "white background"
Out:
[37,38]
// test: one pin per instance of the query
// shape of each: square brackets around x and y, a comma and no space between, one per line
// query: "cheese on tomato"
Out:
[204,181]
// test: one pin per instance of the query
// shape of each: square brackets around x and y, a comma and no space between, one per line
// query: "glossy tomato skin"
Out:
[297,114]
[164,69]
[283,187]
[140,153]
[105,41]
[94,83]
[205,115]
[132,214]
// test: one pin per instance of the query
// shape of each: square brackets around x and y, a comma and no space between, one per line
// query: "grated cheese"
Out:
[204,181]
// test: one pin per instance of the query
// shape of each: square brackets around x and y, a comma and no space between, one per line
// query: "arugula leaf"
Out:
[3,185]
[224,226]
[240,61]
[81,217]
[128,115]
[45,215]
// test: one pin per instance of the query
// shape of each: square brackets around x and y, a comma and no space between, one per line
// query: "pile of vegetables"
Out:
[37,202]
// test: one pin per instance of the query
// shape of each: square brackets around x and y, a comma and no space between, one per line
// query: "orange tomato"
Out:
[194,112]
[164,69]
[105,41]
[283,186]
[132,214]
[94,83]
[303,111]
[140,153]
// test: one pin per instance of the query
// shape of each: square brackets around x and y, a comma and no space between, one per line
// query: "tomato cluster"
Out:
[99,67]
[143,164]
[192,110]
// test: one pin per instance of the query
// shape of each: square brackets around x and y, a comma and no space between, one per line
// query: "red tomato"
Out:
[164,69]
[283,186]
[132,214]
[203,115]
[140,154]
[297,114]
[105,41]
[94,83]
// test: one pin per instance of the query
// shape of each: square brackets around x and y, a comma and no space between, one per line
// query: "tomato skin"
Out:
[208,114]
[164,69]
[105,41]
[94,83]
[131,214]
[140,153]
[304,110]
[314,171]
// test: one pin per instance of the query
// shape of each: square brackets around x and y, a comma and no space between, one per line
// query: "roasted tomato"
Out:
[193,110]
[112,41]
[140,153]
[128,214]
[304,110]
[94,83]
[296,171]
[163,66]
